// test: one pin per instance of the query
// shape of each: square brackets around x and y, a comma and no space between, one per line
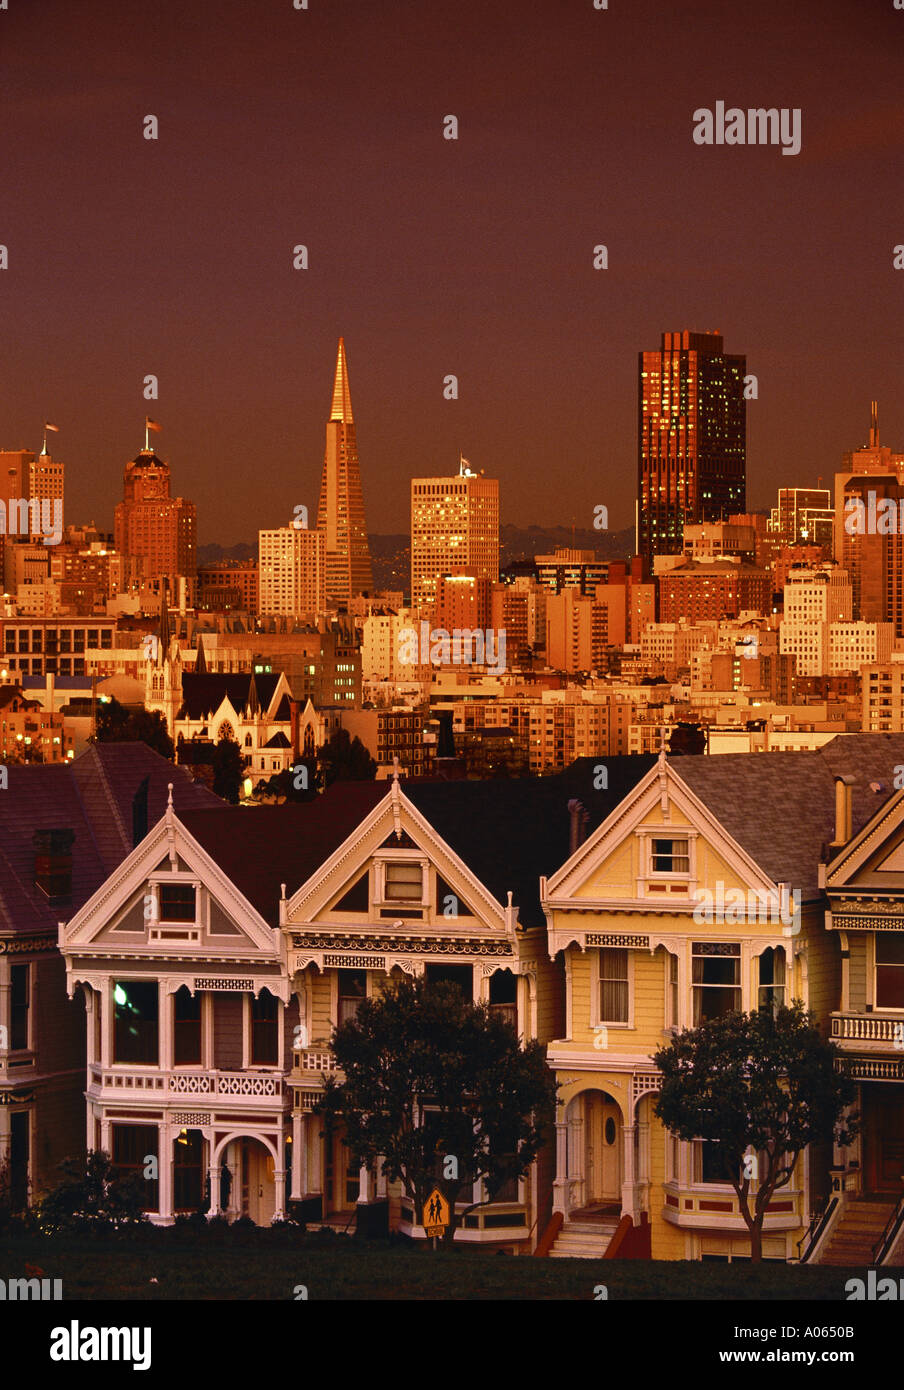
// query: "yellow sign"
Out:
[435,1213]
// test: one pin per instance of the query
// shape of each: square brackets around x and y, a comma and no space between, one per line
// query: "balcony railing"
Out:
[219,1085]
[314,1060]
[868,1028]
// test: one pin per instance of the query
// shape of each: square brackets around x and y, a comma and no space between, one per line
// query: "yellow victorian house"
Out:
[697,895]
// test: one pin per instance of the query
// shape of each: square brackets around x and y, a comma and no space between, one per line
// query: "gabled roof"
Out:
[780,807]
[507,831]
[278,740]
[510,831]
[203,694]
[92,796]
[260,847]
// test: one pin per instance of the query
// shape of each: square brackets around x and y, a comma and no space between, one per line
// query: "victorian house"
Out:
[697,895]
[63,830]
[217,959]
[864,884]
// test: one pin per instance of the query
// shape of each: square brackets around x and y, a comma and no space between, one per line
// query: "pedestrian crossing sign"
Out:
[435,1213]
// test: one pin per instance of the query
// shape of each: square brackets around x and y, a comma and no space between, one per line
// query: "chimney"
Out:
[294,711]
[53,863]
[577,831]
[843,811]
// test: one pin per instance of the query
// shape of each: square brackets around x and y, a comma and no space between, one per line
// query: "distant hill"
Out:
[391,553]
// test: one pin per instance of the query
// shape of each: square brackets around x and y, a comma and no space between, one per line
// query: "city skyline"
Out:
[472,257]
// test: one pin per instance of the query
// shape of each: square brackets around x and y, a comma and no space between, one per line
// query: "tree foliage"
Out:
[763,1086]
[115,724]
[430,1076]
[345,759]
[228,769]
[91,1197]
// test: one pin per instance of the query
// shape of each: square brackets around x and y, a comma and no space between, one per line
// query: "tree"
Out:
[763,1086]
[114,724]
[345,759]
[687,738]
[439,1090]
[91,1197]
[290,784]
[228,769]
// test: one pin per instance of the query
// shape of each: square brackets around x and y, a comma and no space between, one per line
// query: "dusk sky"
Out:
[431,256]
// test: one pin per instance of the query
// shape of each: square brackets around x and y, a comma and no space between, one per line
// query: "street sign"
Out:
[436,1213]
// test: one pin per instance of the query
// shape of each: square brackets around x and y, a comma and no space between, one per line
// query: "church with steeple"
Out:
[199,706]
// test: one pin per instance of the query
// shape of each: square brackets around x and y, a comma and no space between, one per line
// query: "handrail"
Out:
[815,1229]
[549,1192]
[548,1238]
[892,1225]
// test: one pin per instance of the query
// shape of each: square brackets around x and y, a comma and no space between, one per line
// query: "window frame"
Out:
[628,1022]
[125,979]
[737,986]
[28,1009]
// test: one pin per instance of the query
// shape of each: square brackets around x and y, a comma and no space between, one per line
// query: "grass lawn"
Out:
[270,1264]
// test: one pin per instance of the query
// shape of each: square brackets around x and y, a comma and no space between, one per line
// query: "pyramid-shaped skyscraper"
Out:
[340,514]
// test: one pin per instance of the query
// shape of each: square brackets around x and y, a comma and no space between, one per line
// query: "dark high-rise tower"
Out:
[692,439]
[340,514]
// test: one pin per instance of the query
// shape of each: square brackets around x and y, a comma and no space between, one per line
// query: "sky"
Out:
[434,257]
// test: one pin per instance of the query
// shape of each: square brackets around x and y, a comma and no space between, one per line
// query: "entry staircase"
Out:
[585,1235]
[857,1232]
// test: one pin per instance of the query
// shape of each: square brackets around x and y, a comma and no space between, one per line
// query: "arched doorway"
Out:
[595,1151]
[251,1182]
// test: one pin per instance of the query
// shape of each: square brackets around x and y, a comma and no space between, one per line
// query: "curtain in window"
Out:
[614,985]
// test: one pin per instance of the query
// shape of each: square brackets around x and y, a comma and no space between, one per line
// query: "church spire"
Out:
[165,629]
[200,659]
[342,400]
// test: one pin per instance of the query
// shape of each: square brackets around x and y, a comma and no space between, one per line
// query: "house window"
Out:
[188,1175]
[716,978]
[132,1146]
[613,985]
[711,1163]
[460,975]
[19,997]
[671,857]
[264,1030]
[135,1022]
[403,883]
[177,902]
[672,1009]
[889,970]
[772,979]
[352,989]
[18,1157]
[504,997]
[186,1028]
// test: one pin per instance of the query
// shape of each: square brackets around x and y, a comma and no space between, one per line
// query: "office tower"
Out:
[291,574]
[803,514]
[26,476]
[156,533]
[340,514]
[869,535]
[454,530]
[567,568]
[692,439]
[815,599]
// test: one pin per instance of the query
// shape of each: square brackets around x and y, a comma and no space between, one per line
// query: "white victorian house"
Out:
[188,1029]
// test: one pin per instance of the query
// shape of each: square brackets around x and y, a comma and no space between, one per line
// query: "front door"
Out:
[602,1167]
[341,1184]
[258,1186]
[884,1140]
